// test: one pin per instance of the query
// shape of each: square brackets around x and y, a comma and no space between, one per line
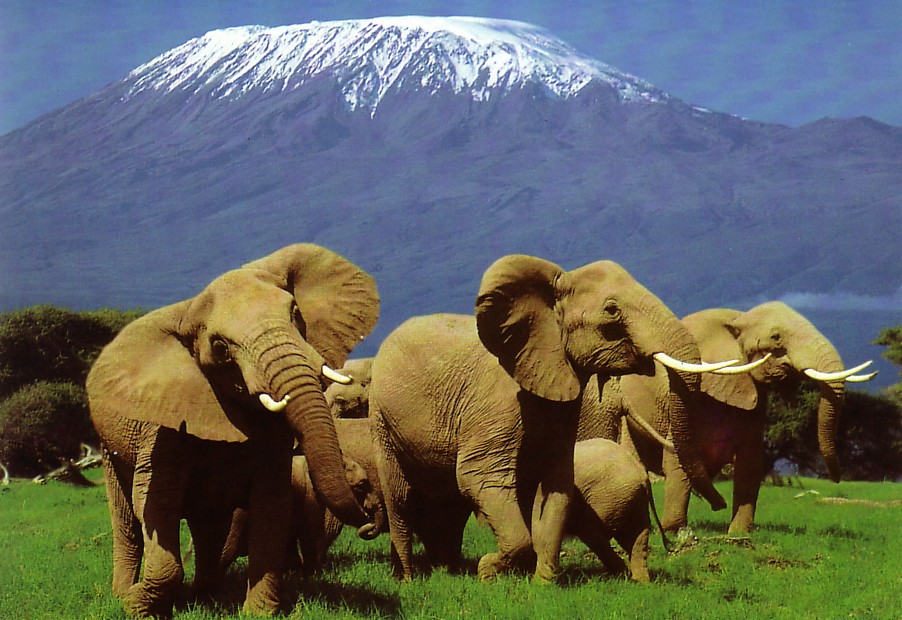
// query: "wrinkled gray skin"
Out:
[728,415]
[351,400]
[480,413]
[613,496]
[174,399]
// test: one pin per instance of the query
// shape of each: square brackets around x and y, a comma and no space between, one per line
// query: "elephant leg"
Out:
[440,526]
[597,538]
[635,543]
[269,524]
[501,511]
[397,506]
[210,533]
[676,494]
[549,517]
[159,483]
[128,542]
[748,472]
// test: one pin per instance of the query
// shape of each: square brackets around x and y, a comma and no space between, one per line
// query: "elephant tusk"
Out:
[275,406]
[687,367]
[861,378]
[335,376]
[368,531]
[842,375]
[737,370]
[650,430]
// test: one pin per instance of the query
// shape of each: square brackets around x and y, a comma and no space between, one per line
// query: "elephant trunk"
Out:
[293,369]
[684,389]
[829,409]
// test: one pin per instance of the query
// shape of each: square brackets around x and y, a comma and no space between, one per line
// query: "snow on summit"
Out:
[369,57]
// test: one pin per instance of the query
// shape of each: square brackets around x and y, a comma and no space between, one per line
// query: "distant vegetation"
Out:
[819,550]
[46,353]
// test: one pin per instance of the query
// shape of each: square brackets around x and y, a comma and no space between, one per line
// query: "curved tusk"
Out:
[842,375]
[861,378]
[687,367]
[650,430]
[275,406]
[737,370]
[335,376]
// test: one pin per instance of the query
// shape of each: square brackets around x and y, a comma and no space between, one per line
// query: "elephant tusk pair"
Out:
[276,406]
[689,367]
[842,375]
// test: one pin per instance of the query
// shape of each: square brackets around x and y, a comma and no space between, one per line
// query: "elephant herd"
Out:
[541,414]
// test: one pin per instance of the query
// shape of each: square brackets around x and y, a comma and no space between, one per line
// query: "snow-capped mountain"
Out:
[425,148]
[481,57]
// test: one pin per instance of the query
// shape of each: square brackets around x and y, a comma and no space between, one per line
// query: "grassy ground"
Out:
[810,557]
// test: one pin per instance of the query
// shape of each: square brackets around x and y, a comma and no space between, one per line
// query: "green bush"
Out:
[43,424]
[45,343]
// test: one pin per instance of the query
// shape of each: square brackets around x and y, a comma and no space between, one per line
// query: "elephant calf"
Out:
[612,499]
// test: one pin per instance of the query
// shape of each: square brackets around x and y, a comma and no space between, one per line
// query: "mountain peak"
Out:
[370,57]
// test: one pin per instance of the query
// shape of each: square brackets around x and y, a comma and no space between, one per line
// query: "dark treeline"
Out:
[46,353]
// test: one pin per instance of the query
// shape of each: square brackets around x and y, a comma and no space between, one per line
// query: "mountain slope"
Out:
[423,149]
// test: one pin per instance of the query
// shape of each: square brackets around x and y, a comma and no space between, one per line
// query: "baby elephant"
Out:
[612,499]
[315,527]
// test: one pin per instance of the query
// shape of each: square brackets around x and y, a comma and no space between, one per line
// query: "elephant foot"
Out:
[740,529]
[138,604]
[256,607]
[490,566]
[546,574]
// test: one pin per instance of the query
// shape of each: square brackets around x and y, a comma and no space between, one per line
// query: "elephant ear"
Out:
[148,374]
[518,323]
[337,299]
[716,336]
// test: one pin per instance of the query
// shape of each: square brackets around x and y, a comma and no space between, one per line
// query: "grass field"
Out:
[811,556]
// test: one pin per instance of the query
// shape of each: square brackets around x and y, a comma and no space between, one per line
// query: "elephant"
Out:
[780,347]
[198,406]
[612,500]
[479,413]
[351,400]
[315,527]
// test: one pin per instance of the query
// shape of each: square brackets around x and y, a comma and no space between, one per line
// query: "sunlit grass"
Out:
[808,558]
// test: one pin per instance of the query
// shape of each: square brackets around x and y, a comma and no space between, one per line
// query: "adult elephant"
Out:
[480,413]
[198,406]
[780,347]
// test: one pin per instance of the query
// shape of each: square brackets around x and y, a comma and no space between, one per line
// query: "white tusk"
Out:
[861,378]
[267,401]
[835,376]
[335,376]
[649,429]
[687,367]
[738,370]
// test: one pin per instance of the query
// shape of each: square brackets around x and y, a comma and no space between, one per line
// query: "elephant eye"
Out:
[611,311]
[220,351]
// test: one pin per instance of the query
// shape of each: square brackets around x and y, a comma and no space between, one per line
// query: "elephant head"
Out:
[253,345]
[552,330]
[789,348]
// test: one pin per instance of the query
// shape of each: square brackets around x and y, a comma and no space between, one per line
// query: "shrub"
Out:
[43,424]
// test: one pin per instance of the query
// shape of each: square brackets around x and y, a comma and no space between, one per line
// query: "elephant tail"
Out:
[654,513]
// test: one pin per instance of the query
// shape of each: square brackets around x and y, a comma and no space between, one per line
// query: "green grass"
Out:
[807,559]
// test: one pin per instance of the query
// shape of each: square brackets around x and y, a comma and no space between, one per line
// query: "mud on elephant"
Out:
[780,348]
[198,406]
[480,413]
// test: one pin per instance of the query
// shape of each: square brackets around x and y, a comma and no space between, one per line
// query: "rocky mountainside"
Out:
[425,148]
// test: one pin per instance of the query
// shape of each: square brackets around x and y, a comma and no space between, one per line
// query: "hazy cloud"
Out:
[843,301]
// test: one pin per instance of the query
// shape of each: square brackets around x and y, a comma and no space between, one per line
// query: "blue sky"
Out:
[782,61]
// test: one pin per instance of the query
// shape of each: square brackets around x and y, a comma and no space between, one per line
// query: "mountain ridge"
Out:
[141,197]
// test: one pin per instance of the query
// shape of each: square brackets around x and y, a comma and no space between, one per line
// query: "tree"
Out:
[891,338]
[45,355]
[41,425]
